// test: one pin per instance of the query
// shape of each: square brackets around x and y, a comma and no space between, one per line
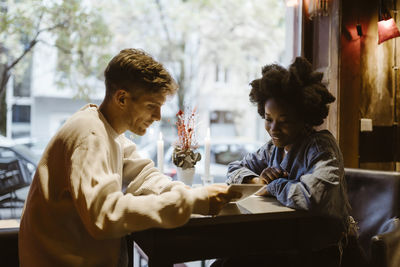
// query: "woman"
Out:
[300,166]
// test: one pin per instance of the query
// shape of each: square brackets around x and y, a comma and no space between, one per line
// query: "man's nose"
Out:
[157,114]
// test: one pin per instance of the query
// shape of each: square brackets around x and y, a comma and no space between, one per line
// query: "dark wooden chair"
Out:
[9,247]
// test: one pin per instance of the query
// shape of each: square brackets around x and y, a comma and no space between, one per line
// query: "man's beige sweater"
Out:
[76,213]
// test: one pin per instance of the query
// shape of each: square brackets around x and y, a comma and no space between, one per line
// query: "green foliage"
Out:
[76,29]
[189,36]
[81,47]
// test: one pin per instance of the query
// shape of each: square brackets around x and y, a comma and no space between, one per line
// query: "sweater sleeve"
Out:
[108,213]
[145,179]
[250,166]
[141,175]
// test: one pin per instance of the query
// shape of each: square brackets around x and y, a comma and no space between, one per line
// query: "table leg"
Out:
[129,247]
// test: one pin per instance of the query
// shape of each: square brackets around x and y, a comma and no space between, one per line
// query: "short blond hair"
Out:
[135,70]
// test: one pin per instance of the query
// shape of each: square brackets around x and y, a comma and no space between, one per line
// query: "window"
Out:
[21,113]
[21,118]
[213,49]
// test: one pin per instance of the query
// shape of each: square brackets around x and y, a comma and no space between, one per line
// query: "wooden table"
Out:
[255,224]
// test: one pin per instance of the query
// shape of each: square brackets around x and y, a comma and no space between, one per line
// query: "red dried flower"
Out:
[183,155]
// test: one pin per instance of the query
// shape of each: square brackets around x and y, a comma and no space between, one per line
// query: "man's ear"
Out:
[120,98]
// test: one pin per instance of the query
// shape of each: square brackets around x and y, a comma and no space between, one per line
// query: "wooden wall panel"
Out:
[358,72]
[366,79]
[350,80]
[376,71]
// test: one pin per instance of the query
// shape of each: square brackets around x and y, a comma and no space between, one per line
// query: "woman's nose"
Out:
[274,126]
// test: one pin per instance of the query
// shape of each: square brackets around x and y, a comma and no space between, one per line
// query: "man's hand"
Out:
[218,196]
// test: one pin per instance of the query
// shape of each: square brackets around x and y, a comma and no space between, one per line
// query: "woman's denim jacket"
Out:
[315,170]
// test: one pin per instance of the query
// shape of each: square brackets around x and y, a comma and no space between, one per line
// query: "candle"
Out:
[207,146]
[160,153]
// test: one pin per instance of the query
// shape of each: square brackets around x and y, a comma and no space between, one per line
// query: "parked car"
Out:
[222,152]
[17,167]
[10,149]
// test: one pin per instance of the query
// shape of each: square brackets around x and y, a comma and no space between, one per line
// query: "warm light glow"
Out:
[292,3]
[387,29]
[316,8]
[386,24]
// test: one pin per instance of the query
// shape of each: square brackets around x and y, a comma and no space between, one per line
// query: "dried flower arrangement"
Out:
[184,154]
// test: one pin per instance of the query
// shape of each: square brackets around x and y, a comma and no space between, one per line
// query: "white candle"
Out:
[160,153]
[207,146]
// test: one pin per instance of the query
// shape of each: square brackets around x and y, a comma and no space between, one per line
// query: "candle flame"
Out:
[160,137]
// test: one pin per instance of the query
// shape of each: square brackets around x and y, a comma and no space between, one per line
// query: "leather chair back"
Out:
[375,200]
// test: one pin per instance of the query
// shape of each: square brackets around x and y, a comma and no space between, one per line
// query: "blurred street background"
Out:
[53,54]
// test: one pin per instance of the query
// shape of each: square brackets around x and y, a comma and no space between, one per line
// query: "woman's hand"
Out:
[267,175]
[256,180]
[272,173]
[263,192]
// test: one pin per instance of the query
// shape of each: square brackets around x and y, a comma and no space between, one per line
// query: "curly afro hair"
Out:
[299,86]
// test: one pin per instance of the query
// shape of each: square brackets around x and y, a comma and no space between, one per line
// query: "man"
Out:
[76,212]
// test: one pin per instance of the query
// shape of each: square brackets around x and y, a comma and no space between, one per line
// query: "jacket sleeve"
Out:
[250,166]
[314,189]
[108,213]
